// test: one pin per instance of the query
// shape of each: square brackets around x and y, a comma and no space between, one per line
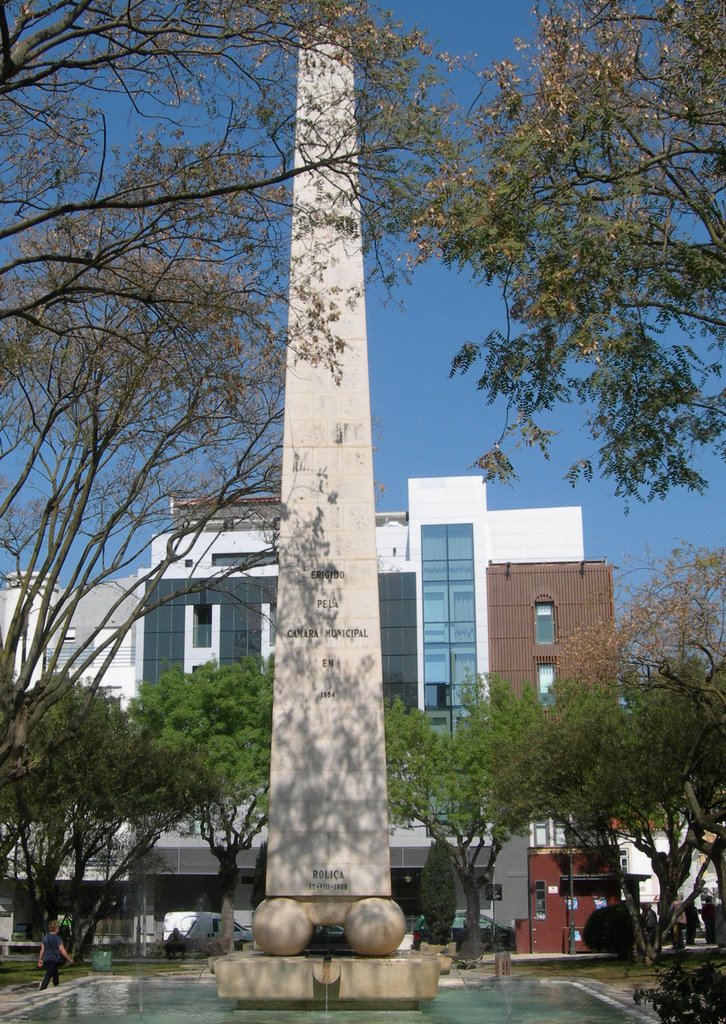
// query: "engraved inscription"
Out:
[342,633]
[328,880]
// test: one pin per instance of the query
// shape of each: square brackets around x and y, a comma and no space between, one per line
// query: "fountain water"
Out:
[186,1001]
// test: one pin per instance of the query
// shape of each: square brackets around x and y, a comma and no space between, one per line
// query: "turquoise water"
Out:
[181,1001]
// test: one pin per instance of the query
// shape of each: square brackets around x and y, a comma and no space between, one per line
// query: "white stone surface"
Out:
[328,833]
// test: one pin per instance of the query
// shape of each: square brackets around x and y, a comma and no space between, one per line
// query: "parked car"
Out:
[194,925]
[326,936]
[420,932]
[242,934]
[493,934]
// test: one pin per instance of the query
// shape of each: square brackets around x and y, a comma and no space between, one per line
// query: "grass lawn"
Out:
[23,972]
[610,972]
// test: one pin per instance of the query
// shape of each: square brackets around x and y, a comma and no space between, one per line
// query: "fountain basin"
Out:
[260,982]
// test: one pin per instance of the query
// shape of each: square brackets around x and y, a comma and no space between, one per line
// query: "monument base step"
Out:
[257,981]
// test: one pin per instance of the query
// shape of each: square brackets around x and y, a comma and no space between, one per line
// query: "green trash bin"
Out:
[102,960]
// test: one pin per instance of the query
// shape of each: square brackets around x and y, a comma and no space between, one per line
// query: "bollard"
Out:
[502,965]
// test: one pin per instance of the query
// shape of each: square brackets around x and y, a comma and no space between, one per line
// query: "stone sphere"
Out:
[282,927]
[375,927]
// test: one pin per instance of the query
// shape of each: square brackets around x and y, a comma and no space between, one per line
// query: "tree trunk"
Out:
[472,945]
[228,874]
[466,855]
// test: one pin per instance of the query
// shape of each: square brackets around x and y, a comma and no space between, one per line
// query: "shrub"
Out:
[687,997]
[438,892]
[610,930]
[259,878]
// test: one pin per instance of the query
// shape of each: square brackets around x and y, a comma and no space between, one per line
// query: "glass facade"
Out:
[399,641]
[240,622]
[449,618]
[241,626]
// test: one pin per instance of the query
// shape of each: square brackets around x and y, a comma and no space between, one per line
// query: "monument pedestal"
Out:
[403,981]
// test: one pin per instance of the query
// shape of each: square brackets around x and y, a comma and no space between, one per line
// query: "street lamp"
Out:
[571,914]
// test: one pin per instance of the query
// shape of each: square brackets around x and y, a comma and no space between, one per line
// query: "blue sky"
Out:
[428,425]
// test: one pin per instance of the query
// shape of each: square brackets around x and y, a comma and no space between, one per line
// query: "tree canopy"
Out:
[91,812]
[673,639]
[654,681]
[145,190]
[607,762]
[670,638]
[221,718]
[450,784]
[593,197]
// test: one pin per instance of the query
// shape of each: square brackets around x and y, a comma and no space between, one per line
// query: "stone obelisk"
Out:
[328,844]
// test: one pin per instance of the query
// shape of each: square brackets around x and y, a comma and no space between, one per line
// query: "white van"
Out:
[201,924]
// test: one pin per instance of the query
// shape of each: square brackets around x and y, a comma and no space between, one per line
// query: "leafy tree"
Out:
[92,811]
[449,784]
[147,158]
[221,716]
[438,892]
[673,634]
[669,638]
[607,761]
[673,628]
[593,197]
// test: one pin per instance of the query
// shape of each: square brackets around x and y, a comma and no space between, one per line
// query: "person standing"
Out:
[649,923]
[692,924]
[678,931]
[52,953]
[708,913]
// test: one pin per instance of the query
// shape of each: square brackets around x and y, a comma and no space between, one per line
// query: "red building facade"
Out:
[564,890]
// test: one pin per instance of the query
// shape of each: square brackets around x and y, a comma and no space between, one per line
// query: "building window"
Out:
[624,861]
[241,558]
[546,684]
[544,622]
[540,899]
[227,558]
[202,635]
[541,834]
